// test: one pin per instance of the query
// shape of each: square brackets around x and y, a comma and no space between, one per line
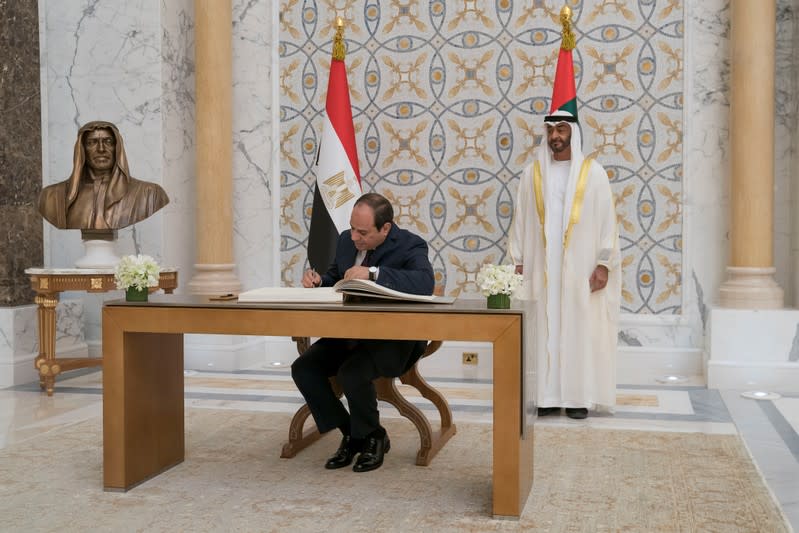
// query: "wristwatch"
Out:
[372,273]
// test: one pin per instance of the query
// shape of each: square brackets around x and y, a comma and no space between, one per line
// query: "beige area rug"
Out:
[586,480]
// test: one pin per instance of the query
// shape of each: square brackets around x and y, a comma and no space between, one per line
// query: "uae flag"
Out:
[564,93]
[338,179]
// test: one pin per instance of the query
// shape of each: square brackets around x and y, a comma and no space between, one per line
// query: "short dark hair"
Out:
[381,207]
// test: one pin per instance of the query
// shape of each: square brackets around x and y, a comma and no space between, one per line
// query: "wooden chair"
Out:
[431,441]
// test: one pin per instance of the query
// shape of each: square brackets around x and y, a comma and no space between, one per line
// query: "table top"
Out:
[461,305]
[40,271]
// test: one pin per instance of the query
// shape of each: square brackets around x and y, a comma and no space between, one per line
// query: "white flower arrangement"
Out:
[139,271]
[498,279]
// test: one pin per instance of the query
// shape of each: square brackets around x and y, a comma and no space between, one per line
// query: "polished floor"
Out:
[769,427]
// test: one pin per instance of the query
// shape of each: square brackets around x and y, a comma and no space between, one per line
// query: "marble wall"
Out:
[102,62]
[706,202]
[132,63]
[254,160]
[20,150]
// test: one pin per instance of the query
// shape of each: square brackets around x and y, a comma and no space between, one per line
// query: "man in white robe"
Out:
[564,240]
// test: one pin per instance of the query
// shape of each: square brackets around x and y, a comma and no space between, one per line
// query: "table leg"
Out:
[143,414]
[45,362]
[513,445]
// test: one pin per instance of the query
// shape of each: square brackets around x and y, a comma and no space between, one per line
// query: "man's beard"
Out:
[558,148]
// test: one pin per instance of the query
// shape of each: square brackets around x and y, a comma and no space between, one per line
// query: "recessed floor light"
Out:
[760,395]
[672,379]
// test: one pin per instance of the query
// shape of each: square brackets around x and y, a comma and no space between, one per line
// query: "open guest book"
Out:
[341,291]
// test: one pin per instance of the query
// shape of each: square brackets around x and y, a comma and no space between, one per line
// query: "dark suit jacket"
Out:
[404,266]
[402,259]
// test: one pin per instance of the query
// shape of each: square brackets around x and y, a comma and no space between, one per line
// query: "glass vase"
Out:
[132,294]
[499,301]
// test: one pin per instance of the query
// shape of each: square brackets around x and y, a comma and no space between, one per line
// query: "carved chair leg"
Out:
[299,440]
[387,391]
[414,379]
[448,429]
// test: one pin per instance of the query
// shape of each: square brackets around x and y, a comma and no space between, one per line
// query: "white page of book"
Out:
[291,294]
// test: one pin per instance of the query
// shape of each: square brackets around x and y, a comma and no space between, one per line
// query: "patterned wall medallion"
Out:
[448,100]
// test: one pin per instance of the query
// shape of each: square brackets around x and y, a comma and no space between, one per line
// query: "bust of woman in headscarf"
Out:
[100,194]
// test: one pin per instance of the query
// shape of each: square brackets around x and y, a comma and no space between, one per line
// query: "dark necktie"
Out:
[367,258]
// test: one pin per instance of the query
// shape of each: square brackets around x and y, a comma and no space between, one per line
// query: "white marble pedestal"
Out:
[99,254]
[753,349]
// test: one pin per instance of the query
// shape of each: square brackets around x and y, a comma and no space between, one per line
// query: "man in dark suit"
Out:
[374,248]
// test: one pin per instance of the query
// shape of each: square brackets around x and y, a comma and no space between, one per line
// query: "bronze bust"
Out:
[100,194]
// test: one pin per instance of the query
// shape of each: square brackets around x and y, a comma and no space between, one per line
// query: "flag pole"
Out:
[338,180]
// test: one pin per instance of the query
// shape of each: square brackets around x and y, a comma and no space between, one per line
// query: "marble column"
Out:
[795,226]
[20,184]
[750,283]
[215,269]
[794,210]
[20,151]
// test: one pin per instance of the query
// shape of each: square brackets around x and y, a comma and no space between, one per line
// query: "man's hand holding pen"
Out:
[311,278]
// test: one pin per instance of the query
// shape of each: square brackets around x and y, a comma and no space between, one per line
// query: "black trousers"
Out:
[355,363]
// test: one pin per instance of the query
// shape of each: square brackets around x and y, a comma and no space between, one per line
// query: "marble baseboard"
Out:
[664,331]
[223,353]
[447,361]
[642,365]
[764,376]
[18,332]
[635,365]
[19,339]
[18,371]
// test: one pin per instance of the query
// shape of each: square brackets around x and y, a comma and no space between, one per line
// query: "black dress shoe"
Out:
[372,455]
[344,455]
[577,413]
[546,411]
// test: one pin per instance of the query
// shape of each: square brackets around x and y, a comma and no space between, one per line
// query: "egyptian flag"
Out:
[564,93]
[338,179]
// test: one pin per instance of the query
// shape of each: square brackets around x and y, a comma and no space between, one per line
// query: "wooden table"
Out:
[143,389]
[48,283]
